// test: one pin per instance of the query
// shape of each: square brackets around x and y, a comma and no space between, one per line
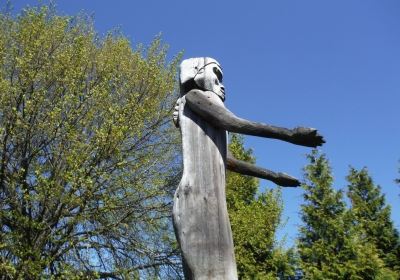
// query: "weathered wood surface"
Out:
[249,169]
[200,214]
[221,117]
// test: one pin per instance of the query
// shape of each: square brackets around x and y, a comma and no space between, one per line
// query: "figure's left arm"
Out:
[249,169]
[219,116]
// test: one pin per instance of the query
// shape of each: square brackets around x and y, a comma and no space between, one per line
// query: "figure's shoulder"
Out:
[200,96]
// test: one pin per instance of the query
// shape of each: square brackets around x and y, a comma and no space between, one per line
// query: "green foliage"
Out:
[86,155]
[240,189]
[330,245]
[254,219]
[372,216]
[322,238]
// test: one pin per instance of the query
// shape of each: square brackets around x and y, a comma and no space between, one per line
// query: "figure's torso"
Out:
[200,212]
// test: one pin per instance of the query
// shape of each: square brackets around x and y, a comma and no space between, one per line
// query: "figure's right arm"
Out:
[217,115]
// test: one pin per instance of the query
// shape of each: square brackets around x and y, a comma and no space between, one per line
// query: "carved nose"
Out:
[222,88]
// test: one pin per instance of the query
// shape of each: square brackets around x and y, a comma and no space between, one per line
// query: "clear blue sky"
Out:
[333,65]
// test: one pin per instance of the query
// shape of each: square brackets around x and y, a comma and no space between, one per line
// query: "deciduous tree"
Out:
[87,161]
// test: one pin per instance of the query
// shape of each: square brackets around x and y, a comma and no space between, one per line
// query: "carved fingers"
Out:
[285,180]
[306,136]
[175,114]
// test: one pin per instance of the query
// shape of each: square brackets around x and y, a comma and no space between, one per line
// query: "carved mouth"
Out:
[222,95]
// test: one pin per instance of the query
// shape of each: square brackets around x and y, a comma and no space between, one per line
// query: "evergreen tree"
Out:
[329,246]
[372,216]
[254,219]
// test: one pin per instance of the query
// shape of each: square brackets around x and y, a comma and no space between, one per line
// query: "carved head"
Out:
[202,73]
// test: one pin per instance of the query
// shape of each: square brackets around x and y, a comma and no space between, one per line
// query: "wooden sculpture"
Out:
[200,214]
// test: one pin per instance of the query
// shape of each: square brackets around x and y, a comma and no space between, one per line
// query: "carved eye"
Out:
[218,73]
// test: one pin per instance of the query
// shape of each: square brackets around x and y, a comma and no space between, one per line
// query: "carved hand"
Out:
[306,136]
[285,180]
[175,114]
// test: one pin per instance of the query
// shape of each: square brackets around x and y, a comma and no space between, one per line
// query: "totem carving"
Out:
[200,214]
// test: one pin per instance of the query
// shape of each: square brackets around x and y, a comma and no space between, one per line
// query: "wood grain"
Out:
[221,117]
[200,214]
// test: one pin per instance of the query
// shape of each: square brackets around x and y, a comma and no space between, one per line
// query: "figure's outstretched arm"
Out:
[246,168]
[219,116]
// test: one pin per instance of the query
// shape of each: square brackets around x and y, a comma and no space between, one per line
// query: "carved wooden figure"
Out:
[200,214]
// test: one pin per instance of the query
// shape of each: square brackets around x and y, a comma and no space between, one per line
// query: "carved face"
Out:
[209,77]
